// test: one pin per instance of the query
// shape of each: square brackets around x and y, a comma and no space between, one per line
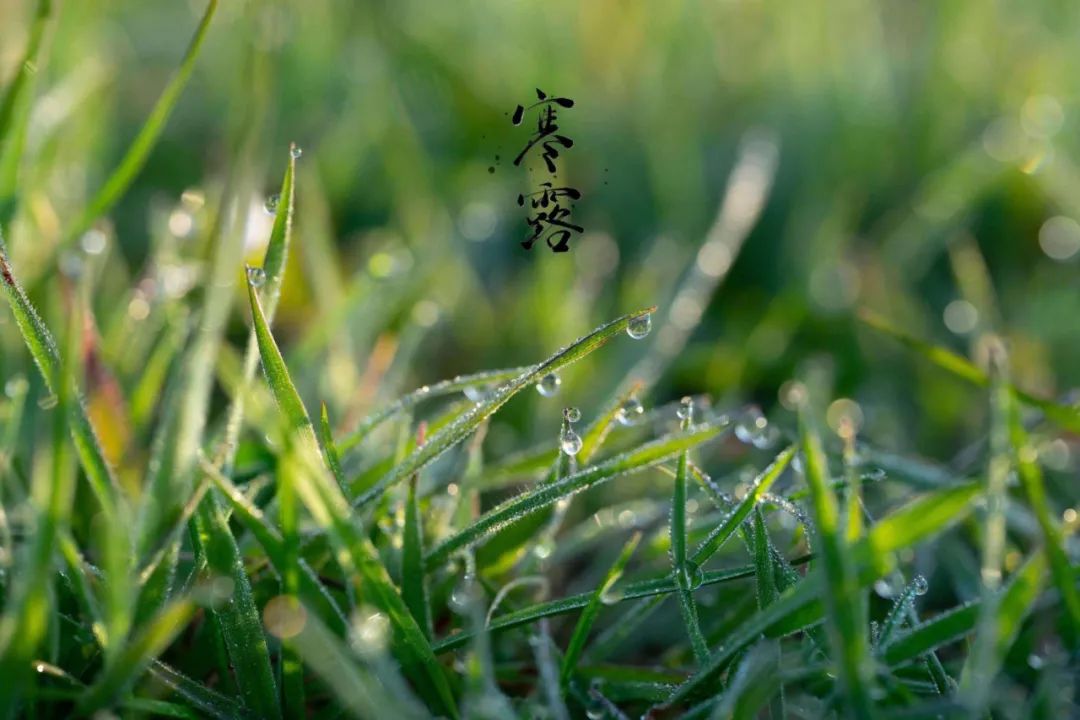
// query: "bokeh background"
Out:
[914,158]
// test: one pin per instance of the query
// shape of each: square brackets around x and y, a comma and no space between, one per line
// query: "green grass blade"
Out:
[139,150]
[732,522]
[413,582]
[439,389]
[133,659]
[1031,478]
[588,616]
[330,508]
[15,111]
[312,591]
[657,587]
[445,438]
[954,624]
[680,565]
[206,701]
[1063,415]
[846,622]
[526,503]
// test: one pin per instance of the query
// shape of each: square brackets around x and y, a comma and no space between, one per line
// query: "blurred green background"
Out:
[914,158]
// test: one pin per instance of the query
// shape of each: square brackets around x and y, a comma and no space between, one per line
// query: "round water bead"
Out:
[640,326]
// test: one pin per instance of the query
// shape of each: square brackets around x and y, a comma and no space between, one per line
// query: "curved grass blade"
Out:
[206,701]
[1031,478]
[1065,416]
[15,112]
[951,625]
[532,501]
[732,522]
[447,437]
[588,616]
[632,591]
[439,389]
[331,509]
[132,660]
[144,142]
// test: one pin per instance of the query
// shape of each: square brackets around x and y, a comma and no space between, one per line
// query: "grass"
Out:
[181,536]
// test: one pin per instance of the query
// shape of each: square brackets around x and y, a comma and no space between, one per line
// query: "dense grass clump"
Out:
[204,514]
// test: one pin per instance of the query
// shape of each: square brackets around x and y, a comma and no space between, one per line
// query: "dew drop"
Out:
[685,410]
[543,549]
[549,385]
[640,326]
[630,412]
[612,596]
[256,276]
[48,402]
[465,594]
[797,463]
[572,414]
[595,709]
[271,204]
[570,442]
[478,393]
[919,585]
[295,152]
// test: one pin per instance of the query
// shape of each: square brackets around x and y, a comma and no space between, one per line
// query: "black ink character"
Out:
[551,217]
[546,127]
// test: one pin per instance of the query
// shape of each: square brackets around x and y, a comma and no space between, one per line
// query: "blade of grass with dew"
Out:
[292,672]
[588,616]
[413,582]
[130,663]
[954,624]
[273,273]
[1031,478]
[115,540]
[847,629]
[23,626]
[447,437]
[15,112]
[800,606]
[681,569]
[632,591]
[206,701]
[1065,416]
[765,580]
[312,591]
[139,150]
[330,507]
[980,668]
[329,449]
[641,458]
[761,484]
[439,389]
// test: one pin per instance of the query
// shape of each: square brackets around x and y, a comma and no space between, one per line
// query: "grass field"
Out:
[292,426]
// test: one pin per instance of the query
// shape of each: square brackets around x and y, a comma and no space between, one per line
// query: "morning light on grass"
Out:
[539,360]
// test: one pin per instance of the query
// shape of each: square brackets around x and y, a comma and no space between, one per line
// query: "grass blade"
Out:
[447,437]
[588,616]
[329,506]
[680,566]
[15,112]
[526,503]
[413,583]
[1065,416]
[846,622]
[144,142]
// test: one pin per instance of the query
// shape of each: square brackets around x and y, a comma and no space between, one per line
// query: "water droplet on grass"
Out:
[295,152]
[919,585]
[256,276]
[271,204]
[685,410]
[640,326]
[570,442]
[548,385]
[572,414]
[465,594]
[630,412]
